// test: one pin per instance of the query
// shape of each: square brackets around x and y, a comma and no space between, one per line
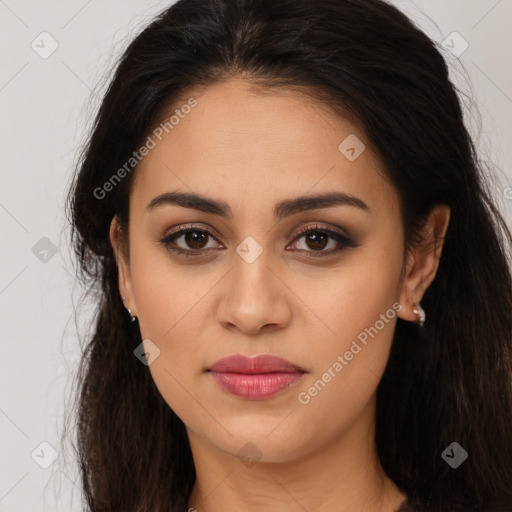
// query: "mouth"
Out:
[255,378]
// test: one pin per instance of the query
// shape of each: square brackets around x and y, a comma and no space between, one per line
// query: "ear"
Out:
[423,261]
[117,240]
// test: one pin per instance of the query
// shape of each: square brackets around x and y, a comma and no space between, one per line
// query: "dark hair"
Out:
[450,381]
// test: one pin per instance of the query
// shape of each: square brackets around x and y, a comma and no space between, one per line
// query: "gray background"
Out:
[46,108]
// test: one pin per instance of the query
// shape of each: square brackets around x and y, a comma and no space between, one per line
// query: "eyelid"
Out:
[318,227]
[183,228]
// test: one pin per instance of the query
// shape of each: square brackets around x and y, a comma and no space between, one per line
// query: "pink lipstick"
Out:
[255,378]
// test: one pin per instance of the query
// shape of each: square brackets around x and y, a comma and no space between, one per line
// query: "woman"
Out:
[304,297]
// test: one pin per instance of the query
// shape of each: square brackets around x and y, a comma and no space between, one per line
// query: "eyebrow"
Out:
[282,209]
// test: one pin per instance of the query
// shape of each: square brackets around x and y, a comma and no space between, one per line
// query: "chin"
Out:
[265,442]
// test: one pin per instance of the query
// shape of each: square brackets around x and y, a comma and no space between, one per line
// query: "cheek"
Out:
[171,309]
[348,366]
[170,312]
[353,296]
[167,294]
[358,308]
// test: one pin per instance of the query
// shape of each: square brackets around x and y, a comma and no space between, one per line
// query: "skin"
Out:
[251,150]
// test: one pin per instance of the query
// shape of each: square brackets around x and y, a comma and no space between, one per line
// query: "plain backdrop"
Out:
[47,103]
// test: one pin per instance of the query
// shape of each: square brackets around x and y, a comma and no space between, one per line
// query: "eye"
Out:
[193,241]
[317,238]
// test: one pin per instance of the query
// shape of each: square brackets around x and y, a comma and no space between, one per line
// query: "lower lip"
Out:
[256,386]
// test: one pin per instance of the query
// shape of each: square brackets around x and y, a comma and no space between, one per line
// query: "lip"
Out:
[255,378]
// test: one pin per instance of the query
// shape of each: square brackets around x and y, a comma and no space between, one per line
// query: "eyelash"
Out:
[337,236]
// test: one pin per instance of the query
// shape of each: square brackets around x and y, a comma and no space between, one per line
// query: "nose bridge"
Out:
[254,297]
[251,274]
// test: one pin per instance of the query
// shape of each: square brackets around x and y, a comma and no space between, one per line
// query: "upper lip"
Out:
[263,363]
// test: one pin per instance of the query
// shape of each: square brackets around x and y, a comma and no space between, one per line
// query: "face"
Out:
[262,274]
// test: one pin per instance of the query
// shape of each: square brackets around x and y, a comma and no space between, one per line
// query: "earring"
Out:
[133,318]
[420,313]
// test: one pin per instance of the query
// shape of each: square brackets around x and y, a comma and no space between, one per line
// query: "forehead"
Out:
[254,147]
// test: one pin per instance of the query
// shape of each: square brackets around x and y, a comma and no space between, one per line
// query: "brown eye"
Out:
[317,239]
[195,239]
[188,241]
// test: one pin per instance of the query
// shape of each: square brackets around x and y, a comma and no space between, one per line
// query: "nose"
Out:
[254,299]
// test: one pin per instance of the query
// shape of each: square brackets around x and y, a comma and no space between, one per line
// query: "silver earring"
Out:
[133,318]
[420,313]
